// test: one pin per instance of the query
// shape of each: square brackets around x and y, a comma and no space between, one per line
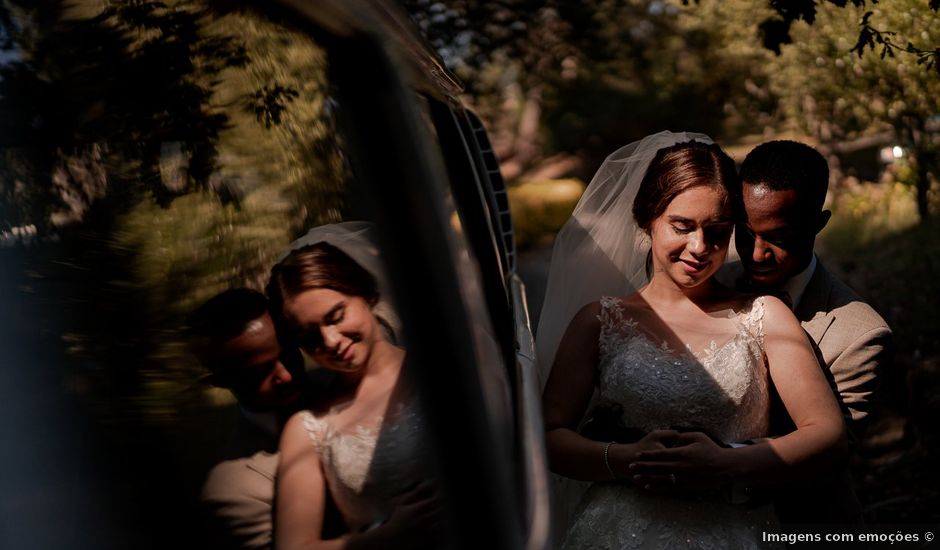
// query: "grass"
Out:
[540,208]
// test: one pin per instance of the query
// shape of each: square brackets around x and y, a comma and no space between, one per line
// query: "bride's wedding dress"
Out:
[369,466]
[722,390]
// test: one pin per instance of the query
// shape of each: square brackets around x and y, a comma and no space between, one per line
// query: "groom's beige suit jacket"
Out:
[854,344]
[853,341]
[239,491]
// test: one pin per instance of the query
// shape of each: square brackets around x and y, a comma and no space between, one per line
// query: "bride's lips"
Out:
[693,267]
[347,354]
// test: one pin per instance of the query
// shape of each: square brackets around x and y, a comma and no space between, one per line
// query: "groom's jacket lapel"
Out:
[813,309]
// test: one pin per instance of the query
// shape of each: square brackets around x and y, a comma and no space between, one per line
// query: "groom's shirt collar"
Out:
[797,284]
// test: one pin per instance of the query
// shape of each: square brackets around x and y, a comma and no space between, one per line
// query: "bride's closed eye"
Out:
[336,315]
[311,338]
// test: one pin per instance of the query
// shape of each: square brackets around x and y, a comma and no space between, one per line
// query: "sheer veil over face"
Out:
[600,250]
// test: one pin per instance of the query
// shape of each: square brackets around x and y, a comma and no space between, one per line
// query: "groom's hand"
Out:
[694,461]
[624,455]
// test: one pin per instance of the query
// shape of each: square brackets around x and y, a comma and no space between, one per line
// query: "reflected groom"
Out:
[234,336]
[784,186]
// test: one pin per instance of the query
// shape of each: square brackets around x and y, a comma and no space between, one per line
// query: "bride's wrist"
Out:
[616,458]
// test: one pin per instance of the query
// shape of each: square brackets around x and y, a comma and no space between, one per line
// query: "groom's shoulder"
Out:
[849,306]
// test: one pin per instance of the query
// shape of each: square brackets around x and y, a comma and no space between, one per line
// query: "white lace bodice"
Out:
[722,390]
[369,466]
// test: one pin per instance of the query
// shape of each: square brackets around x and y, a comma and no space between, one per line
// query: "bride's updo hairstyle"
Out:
[676,169]
[320,265]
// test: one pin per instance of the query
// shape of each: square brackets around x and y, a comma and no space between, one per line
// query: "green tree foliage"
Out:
[836,94]
[643,66]
[603,71]
[132,75]
[775,29]
[173,149]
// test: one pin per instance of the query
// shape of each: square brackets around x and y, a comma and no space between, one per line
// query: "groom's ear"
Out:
[823,219]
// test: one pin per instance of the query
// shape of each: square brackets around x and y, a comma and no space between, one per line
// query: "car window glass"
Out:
[154,155]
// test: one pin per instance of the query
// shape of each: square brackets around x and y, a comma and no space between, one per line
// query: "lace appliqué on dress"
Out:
[723,390]
[368,467]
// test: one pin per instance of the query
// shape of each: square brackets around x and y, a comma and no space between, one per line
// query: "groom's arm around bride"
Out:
[783,190]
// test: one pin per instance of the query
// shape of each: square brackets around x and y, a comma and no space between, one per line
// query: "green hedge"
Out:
[540,208]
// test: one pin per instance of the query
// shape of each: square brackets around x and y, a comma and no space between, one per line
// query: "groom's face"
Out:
[258,372]
[775,240]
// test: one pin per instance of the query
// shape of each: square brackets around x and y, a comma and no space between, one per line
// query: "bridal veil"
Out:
[600,251]
[357,240]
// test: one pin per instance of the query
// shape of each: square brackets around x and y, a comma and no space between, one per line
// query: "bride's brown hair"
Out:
[676,169]
[320,265]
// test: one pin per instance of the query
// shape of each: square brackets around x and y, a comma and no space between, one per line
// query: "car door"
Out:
[460,234]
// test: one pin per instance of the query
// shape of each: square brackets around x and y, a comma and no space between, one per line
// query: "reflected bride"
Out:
[365,445]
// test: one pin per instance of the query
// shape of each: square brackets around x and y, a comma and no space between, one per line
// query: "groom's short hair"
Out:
[222,318]
[788,165]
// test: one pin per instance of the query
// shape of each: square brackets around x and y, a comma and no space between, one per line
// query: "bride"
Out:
[364,445]
[682,361]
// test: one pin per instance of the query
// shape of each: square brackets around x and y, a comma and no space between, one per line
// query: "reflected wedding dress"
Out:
[722,391]
[369,466]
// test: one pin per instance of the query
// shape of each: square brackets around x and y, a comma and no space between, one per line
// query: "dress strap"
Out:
[315,427]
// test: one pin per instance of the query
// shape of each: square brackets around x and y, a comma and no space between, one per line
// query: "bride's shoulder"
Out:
[744,302]
[776,312]
[619,306]
[607,310]
[629,303]
[298,431]
[767,304]
[593,314]
[768,310]
[589,314]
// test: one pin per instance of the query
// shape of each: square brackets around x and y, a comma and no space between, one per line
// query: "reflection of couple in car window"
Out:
[352,469]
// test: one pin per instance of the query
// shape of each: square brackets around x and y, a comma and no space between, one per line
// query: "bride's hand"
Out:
[416,519]
[621,456]
[694,461]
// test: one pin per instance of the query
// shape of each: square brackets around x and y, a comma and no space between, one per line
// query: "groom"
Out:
[234,336]
[783,189]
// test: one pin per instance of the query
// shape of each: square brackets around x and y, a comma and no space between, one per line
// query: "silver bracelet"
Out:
[607,460]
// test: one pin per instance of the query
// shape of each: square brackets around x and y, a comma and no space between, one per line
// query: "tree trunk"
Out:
[525,150]
[923,185]
[919,143]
